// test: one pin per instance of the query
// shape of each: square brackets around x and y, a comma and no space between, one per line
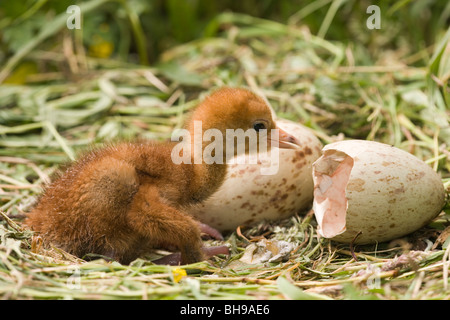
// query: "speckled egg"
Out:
[248,196]
[373,191]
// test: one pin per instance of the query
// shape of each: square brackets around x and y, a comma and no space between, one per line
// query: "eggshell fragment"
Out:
[267,251]
[373,189]
[247,196]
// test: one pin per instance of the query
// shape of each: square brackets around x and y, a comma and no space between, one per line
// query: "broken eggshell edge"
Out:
[373,189]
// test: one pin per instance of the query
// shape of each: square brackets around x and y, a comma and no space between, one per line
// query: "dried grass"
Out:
[305,78]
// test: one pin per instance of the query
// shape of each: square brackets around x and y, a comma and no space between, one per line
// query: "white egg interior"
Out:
[375,190]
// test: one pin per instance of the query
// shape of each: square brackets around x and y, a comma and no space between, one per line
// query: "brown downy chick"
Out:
[125,199]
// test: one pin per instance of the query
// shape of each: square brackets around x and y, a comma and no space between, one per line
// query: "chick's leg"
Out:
[160,223]
[175,258]
[210,231]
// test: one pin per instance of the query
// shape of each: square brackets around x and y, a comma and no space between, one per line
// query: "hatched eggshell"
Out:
[247,196]
[373,188]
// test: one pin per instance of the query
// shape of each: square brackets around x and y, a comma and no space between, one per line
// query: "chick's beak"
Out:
[286,140]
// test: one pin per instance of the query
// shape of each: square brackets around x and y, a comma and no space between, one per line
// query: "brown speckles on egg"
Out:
[246,204]
[356,185]
[414,175]
[399,190]
[299,165]
[249,221]
[275,197]
[300,154]
[257,192]
[308,151]
[248,196]
[283,182]
[387,193]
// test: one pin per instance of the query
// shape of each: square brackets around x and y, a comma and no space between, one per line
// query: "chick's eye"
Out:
[259,126]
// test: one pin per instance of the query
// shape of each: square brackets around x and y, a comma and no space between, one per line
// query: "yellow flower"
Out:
[100,48]
[20,74]
[178,274]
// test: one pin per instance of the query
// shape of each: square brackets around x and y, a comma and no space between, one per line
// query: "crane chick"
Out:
[125,199]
